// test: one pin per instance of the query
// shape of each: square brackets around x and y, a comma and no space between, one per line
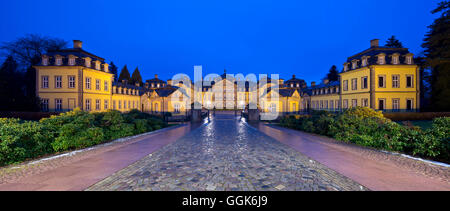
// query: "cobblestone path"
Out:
[226,154]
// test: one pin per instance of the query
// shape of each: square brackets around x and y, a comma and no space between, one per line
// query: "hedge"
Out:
[366,127]
[21,140]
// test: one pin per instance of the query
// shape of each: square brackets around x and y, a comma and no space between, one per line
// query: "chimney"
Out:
[77,44]
[313,83]
[293,76]
[156,75]
[374,43]
[325,81]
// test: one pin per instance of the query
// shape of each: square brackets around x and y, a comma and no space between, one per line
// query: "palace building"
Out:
[380,77]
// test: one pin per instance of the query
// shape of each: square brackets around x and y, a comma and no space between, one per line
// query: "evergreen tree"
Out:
[333,74]
[136,77]
[10,89]
[124,74]
[113,69]
[393,43]
[437,52]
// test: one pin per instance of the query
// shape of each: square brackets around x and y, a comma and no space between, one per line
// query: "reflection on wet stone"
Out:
[226,154]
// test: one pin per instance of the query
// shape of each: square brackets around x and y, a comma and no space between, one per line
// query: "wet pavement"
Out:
[226,154]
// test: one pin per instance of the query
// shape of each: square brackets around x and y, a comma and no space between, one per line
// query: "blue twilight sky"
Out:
[167,37]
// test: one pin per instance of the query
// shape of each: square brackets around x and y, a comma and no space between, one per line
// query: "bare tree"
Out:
[25,50]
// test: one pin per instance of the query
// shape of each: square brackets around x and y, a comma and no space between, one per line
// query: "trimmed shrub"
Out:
[21,140]
[366,127]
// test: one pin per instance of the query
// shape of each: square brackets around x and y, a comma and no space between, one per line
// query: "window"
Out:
[157,85]
[71,81]
[97,65]
[273,108]
[134,104]
[97,84]
[97,104]
[409,104]
[58,104]
[354,103]
[381,104]
[58,61]
[365,102]
[345,85]
[106,104]
[364,61]
[408,60]
[88,104]
[321,104]
[176,108]
[409,81]
[120,104]
[44,104]
[129,105]
[337,104]
[354,64]
[58,81]
[331,104]
[88,83]
[395,59]
[325,104]
[45,81]
[45,61]
[114,104]
[395,81]
[106,86]
[345,67]
[354,84]
[381,81]
[364,82]
[395,104]
[124,104]
[345,104]
[71,61]
[87,62]
[381,59]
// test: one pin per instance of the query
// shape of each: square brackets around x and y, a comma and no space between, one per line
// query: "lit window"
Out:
[58,104]
[45,61]
[396,104]
[88,83]
[408,59]
[72,61]
[381,59]
[71,81]
[45,82]
[97,104]
[88,104]
[58,81]
[58,61]
[395,81]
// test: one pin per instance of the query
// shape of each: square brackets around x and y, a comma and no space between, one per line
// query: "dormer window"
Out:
[409,59]
[97,65]
[381,58]
[71,60]
[58,60]
[345,67]
[364,61]
[87,62]
[45,60]
[354,64]
[395,59]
